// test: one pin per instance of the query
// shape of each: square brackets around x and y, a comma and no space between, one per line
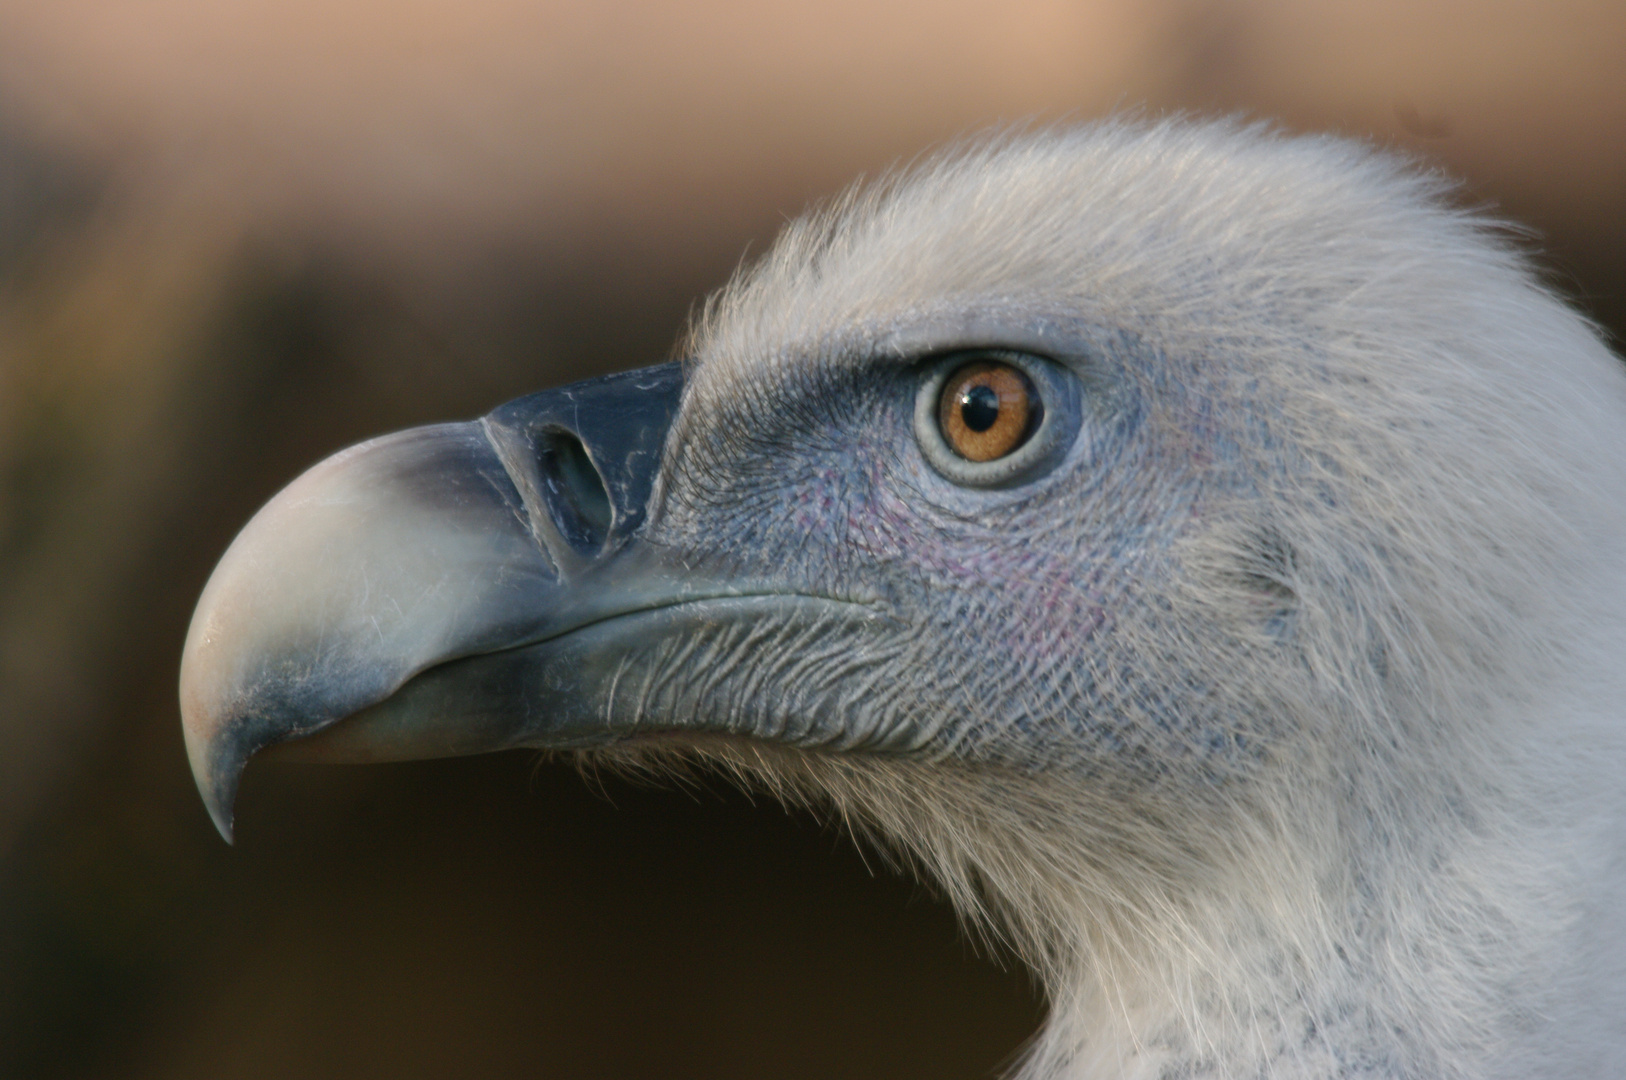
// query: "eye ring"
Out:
[1028,416]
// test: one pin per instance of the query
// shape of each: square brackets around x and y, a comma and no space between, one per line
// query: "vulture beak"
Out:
[446,590]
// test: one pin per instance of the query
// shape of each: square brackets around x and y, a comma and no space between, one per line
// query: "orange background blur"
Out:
[237,236]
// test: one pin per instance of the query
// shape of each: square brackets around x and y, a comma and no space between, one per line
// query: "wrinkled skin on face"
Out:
[815,476]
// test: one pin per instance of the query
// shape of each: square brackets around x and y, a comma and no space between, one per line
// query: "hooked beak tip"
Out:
[217,764]
[219,801]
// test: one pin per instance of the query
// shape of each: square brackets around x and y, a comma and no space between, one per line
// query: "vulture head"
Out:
[1201,552]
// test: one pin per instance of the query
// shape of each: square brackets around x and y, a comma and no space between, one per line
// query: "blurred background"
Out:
[235,237]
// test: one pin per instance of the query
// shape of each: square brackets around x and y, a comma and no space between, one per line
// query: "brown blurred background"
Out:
[237,236]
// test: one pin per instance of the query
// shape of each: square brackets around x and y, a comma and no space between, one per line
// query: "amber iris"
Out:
[987,410]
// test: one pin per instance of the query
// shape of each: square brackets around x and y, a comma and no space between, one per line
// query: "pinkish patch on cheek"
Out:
[1037,603]
[1050,603]
[1070,614]
[884,525]
[817,499]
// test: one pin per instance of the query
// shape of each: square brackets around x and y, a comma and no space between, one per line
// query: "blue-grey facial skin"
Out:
[1008,602]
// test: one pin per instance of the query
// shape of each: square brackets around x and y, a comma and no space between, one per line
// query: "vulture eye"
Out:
[995,418]
[987,410]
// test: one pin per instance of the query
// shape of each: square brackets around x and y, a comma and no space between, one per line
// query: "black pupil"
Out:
[979,407]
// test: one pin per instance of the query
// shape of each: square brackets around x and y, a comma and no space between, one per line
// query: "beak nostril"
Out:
[575,491]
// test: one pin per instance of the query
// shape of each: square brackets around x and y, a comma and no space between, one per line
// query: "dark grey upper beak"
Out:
[420,548]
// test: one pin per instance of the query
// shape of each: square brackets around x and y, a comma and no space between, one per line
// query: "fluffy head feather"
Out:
[1286,731]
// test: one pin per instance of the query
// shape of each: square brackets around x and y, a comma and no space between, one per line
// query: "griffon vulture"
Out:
[1202,551]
